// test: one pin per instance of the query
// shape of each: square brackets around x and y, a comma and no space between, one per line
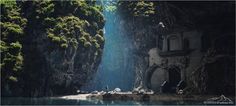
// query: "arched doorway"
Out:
[174,78]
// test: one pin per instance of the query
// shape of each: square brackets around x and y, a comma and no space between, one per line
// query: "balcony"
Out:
[174,53]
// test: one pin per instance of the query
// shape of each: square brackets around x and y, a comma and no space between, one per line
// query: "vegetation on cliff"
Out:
[12,26]
[137,9]
[67,24]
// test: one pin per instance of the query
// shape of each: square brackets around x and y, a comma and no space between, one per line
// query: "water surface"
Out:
[59,101]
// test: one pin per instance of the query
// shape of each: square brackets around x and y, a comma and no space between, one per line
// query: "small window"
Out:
[160,42]
[186,44]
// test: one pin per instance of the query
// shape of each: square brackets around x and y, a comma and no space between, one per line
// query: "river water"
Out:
[59,101]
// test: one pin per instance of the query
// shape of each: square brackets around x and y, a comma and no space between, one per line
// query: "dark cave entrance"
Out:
[221,78]
[174,78]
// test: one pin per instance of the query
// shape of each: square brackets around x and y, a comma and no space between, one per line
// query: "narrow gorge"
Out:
[134,50]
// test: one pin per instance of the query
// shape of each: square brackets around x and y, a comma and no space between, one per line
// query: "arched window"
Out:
[173,43]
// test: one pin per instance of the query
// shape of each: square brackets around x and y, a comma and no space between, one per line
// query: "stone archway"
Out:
[156,75]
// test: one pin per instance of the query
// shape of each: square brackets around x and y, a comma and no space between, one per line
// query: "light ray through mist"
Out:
[116,67]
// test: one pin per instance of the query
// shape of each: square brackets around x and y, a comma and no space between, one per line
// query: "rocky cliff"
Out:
[61,46]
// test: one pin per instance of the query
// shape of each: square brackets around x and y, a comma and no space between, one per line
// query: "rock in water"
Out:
[180,92]
[94,92]
[102,92]
[142,91]
[117,90]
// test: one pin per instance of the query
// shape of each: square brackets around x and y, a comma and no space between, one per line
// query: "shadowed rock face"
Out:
[62,70]
[51,68]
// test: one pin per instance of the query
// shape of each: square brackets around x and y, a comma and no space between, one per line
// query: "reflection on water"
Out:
[59,101]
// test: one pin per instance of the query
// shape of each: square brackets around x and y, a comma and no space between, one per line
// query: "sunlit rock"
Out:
[117,90]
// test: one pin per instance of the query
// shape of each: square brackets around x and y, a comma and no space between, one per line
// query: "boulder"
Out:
[117,90]
[94,92]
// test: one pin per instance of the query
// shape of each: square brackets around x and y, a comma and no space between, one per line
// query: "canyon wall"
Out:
[61,46]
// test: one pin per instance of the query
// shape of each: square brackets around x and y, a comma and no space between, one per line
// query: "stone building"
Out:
[184,57]
[196,49]
[174,58]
